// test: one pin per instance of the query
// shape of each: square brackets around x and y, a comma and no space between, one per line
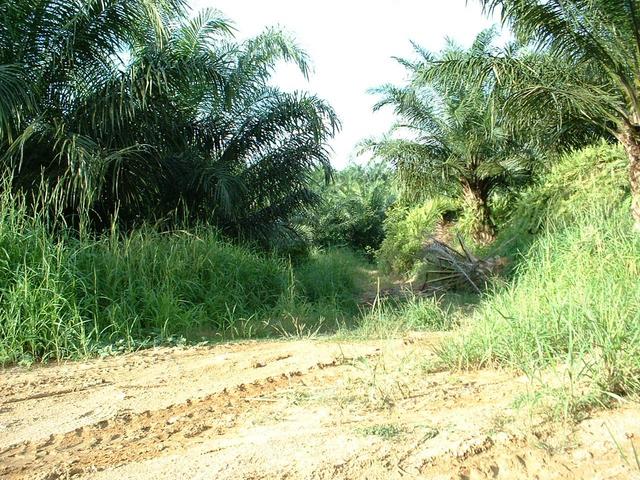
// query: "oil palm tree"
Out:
[137,111]
[595,45]
[353,208]
[235,151]
[53,57]
[455,140]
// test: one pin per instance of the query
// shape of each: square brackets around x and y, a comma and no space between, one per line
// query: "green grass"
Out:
[573,304]
[64,297]
[391,318]
[595,175]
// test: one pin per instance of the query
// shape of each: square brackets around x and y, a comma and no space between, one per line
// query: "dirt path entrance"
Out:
[294,410]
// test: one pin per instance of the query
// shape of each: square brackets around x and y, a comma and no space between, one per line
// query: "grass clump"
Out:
[387,431]
[390,318]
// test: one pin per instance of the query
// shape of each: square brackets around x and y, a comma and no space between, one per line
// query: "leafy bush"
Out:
[407,229]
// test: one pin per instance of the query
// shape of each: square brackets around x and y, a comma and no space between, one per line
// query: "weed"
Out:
[574,299]
[387,431]
[633,464]
[65,295]
[393,317]
[429,433]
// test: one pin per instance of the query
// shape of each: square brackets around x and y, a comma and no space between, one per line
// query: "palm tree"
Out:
[455,140]
[236,152]
[54,56]
[132,110]
[597,44]
[353,208]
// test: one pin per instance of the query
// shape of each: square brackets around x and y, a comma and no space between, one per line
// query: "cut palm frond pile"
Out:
[449,269]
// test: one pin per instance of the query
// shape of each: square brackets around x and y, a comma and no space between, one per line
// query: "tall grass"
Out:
[575,297]
[392,318]
[591,176]
[62,296]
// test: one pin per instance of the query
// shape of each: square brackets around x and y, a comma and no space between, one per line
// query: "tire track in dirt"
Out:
[135,437]
[43,400]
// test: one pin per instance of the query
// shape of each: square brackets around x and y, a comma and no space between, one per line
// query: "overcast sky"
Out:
[351,43]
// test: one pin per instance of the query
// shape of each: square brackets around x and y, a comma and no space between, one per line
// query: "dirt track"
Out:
[294,410]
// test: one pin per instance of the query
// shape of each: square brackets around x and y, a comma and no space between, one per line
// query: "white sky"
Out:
[351,43]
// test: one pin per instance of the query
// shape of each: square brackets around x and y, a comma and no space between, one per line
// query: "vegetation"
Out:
[62,297]
[157,187]
[407,229]
[353,209]
[595,51]
[458,142]
[133,111]
[392,318]
[574,297]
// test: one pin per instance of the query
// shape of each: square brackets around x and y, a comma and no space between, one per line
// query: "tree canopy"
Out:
[137,111]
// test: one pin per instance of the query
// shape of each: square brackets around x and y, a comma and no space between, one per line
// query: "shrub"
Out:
[406,230]
[353,209]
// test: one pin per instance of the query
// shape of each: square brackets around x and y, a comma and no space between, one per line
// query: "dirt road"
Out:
[293,410]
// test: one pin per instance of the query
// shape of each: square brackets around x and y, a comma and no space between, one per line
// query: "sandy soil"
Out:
[294,410]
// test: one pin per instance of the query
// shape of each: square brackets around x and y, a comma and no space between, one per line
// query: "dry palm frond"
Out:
[450,269]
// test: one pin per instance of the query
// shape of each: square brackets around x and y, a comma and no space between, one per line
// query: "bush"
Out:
[406,231]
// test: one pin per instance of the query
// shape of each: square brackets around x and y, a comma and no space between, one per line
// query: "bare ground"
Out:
[305,409]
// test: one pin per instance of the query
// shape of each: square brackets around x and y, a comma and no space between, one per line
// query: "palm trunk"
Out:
[630,139]
[476,198]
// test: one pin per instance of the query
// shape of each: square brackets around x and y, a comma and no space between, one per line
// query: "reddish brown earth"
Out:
[307,409]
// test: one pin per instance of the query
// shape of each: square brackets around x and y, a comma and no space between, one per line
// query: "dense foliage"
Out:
[133,110]
[64,297]
[575,294]
[594,52]
[407,228]
[453,135]
[353,208]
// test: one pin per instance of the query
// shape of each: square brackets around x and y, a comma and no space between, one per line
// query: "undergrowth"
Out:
[574,301]
[390,318]
[64,296]
[406,230]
